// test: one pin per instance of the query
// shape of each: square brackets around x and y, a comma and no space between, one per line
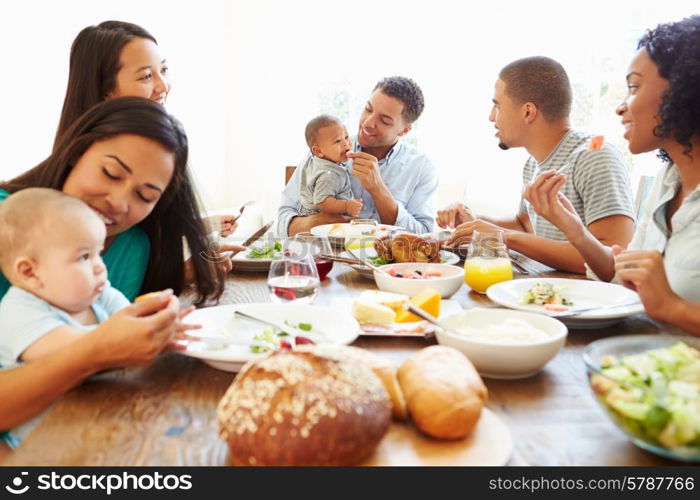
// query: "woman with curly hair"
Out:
[661,112]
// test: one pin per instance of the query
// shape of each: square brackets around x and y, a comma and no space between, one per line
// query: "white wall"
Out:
[248,75]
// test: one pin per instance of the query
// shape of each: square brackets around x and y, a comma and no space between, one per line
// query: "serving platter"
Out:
[491,444]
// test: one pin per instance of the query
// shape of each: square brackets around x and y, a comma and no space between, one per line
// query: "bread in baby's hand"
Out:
[444,392]
[146,296]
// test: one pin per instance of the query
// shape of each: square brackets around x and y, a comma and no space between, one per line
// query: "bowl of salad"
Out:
[649,385]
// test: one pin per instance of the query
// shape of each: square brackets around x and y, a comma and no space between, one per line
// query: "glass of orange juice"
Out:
[487,261]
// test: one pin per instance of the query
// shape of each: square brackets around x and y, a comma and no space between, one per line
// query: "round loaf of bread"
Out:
[381,366]
[300,408]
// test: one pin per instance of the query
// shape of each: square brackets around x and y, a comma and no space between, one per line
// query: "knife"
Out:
[256,236]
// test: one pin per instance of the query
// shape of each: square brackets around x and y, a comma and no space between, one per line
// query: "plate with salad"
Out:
[601,304]
[228,341]
[257,257]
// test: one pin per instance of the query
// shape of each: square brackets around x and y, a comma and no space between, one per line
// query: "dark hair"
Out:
[408,92]
[541,81]
[675,49]
[94,64]
[176,215]
[316,124]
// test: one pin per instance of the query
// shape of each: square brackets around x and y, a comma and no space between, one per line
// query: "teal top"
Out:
[126,260]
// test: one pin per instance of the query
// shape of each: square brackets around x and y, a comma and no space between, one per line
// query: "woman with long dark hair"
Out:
[127,159]
[119,59]
[112,59]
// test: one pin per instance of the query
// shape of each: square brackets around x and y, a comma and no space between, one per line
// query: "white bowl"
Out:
[451,280]
[496,359]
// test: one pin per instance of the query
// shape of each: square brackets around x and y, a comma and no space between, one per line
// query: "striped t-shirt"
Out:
[597,182]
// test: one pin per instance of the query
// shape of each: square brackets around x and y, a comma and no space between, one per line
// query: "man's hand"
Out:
[454,215]
[463,232]
[366,169]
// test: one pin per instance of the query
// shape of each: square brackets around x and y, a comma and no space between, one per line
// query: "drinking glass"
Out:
[316,246]
[487,261]
[293,278]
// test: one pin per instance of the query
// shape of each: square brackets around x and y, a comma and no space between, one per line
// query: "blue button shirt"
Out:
[409,175]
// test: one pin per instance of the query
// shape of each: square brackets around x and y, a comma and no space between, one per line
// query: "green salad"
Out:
[545,293]
[269,340]
[265,251]
[655,395]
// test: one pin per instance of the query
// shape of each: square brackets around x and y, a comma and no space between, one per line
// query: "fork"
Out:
[240,210]
[576,312]
[368,263]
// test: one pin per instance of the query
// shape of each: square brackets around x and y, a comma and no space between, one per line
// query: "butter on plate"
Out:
[379,308]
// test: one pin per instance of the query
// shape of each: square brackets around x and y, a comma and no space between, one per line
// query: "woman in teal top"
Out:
[127,159]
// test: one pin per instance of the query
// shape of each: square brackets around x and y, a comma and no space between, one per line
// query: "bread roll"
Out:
[299,408]
[382,368]
[146,296]
[444,392]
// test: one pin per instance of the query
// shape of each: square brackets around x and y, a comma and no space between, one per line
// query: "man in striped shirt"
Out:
[531,106]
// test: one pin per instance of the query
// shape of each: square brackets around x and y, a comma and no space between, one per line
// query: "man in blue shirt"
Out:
[396,183]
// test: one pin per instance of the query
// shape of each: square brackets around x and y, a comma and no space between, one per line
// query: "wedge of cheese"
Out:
[373,313]
[391,300]
[429,300]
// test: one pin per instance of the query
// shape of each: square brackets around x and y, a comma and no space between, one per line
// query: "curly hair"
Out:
[316,124]
[675,49]
[408,92]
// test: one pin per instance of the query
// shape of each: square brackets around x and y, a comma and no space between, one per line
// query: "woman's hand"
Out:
[137,334]
[644,272]
[227,225]
[543,193]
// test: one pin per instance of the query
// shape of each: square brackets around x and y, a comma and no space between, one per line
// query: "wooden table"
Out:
[164,414]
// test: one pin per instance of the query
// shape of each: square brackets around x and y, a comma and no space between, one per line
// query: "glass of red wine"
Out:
[312,245]
[293,278]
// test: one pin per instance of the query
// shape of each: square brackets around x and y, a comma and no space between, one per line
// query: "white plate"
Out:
[446,257]
[448,307]
[341,231]
[328,326]
[241,261]
[583,293]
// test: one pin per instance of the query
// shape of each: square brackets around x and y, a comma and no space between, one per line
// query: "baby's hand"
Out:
[353,207]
